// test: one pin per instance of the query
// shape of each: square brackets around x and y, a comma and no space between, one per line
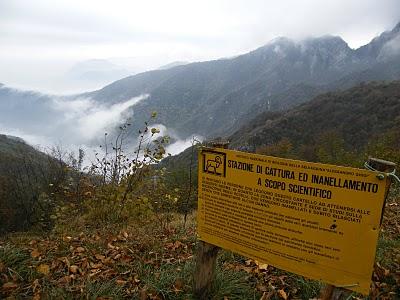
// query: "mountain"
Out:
[94,73]
[173,64]
[356,115]
[212,98]
[18,108]
[217,97]
[24,173]
[348,125]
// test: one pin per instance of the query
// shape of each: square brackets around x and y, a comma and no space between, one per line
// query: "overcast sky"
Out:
[40,40]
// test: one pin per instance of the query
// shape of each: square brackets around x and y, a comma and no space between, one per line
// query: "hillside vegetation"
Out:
[218,97]
[279,75]
[124,227]
[352,124]
[26,175]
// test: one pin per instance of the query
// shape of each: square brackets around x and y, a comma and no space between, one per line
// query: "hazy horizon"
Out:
[43,43]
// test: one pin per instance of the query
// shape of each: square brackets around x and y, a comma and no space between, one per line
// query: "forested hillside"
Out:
[26,175]
[214,98]
[351,121]
[277,76]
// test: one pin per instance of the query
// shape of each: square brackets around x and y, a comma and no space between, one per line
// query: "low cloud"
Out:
[178,144]
[56,120]
[390,49]
[77,123]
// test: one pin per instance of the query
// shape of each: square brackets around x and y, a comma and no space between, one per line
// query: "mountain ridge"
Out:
[198,91]
[215,98]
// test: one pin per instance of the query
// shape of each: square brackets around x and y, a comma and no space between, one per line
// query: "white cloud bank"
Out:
[72,123]
[80,123]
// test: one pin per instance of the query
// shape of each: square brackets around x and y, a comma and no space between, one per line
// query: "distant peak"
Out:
[326,39]
[173,64]
[279,40]
[396,28]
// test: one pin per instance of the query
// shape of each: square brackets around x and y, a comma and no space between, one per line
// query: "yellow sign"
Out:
[320,221]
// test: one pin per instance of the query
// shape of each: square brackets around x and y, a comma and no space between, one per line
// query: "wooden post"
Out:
[206,256]
[331,292]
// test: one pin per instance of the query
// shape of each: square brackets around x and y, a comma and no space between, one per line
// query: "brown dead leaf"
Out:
[64,280]
[136,279]
[247,269]
[36,286]
[121,282]
[35,253]
[67,238]
[283,294]
[96,266]
[99,257]
[261,287]
[80,249]
[178,244]
[2,267]
[9,285]
[65,261]
[248,262]
[178,285]
[43,269]
[143,294]
[267,296]
[73,269]
[261,266]
[125,234]
[36,296]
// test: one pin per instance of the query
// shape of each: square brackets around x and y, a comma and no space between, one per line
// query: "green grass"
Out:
[385,248]
[233,285]
[93,290]
[307,289]
[16,262]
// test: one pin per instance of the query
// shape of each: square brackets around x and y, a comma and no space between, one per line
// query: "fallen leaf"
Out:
[386,272]
[80,249]
[36,286]
[267,296]
[248,262]
[178,285]
[43,269]
[262,287]
[262,266]
[143,294]
[96,266]
[99,257]
[283,294]
[10,285]
[120,282]
[2,267]
[36,296]
[35,253]
[136,279]
[64,280]
[73,269]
